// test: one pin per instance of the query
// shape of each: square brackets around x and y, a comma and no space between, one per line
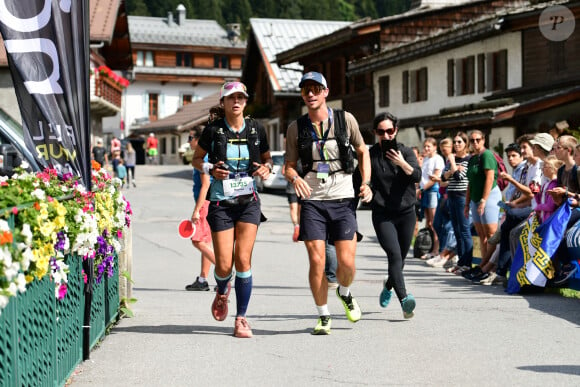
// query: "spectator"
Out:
[121,172]
[432,166]
[483,194]
[130,161]
[545,205]
[152,151]
[99,154]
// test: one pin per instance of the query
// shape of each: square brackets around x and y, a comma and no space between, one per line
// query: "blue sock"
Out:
[243,291]
[222,283]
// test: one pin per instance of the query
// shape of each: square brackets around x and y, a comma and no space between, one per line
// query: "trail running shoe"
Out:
[197,286]
[242,328]
[322,326]
[385,297]
[351,307]
[408,305]
[219,307]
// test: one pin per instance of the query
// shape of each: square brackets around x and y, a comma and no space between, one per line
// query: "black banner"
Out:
[47,44]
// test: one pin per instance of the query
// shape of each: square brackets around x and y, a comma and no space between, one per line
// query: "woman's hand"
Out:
[366,193]
[395,156]
[220,171]
[480,208]
[466,211]
[195,217]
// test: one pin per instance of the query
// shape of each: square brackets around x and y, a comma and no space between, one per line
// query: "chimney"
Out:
[233,30]
[180,14]
[170,19]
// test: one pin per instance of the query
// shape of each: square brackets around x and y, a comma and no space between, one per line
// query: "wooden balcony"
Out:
[105,96]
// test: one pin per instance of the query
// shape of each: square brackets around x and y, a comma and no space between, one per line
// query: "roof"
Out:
[192,32]
[103,16]
[277,35]
[186,117]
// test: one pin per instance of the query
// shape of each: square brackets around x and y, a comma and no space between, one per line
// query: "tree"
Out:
[137,8]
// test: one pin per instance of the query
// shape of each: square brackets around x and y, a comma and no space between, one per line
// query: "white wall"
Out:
[437,77]
[169,98]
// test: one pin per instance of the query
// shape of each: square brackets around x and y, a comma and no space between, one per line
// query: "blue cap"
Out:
[313,76]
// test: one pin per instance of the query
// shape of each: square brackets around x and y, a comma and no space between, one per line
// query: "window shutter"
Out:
[481,73]
[502,69]
[450,77]
[405,87]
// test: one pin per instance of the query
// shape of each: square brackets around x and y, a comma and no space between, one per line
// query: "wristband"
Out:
[294,179]
[482,201]
[206,167]
[367,183]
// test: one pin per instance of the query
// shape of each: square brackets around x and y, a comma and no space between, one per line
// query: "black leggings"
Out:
[395,233]
[130,174]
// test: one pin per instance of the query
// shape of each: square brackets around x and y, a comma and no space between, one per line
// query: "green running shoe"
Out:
[351,307]
[322,326]
[408,304]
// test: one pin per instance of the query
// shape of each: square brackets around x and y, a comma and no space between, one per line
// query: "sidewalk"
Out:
[461,335]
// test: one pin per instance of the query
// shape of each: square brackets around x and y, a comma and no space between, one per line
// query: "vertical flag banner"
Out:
[532,263]
[47,45]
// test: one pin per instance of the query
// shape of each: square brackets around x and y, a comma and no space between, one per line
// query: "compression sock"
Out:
[243,287]
[322,310]
[222,283]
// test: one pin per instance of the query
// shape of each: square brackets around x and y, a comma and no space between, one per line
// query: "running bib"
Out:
[239,186]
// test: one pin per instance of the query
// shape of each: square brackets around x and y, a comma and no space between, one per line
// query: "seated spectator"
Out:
[545,205]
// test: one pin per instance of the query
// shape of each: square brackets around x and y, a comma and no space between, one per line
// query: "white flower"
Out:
[26,233]
[21,283]
[39,194]
[12,289]
[4,225]
[27,257]
[3,302]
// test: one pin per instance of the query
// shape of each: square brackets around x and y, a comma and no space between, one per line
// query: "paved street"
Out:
[462,334]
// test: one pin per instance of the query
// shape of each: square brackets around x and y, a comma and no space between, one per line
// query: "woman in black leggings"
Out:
[395,172]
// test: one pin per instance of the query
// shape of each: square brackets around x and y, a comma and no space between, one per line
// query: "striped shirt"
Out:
[458,181]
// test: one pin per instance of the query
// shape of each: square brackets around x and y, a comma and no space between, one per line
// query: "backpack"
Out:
[501,183]
[423,242]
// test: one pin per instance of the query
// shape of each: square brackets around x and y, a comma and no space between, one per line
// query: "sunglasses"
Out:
[475,140]
[458,142]
[381,132]
[189,138]
[314,89]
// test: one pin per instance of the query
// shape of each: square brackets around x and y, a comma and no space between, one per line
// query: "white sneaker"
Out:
[440,263]
[450,262]
[431,261]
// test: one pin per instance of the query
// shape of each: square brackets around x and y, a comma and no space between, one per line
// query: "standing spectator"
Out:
[115,145]
[322,140]
[395,173]
[130,161]
[121,172]
[442,220]
[116,156]
[483,194]
[433,165]
[99,154]
[418,209]
[238,150]
[201,239]
[152,148]
[456,174]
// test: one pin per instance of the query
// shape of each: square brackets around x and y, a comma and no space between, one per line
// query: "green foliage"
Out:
[240,11]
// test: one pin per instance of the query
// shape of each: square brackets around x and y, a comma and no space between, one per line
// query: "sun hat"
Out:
[230,88]
[543,140]
[313,76]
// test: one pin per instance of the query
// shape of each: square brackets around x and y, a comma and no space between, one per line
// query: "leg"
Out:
[345,254]
[429,217]
[330,264]
[245,238]
[318,282]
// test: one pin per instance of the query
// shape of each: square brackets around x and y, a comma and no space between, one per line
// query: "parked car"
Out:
[276,180]
[13,151]
[185,153]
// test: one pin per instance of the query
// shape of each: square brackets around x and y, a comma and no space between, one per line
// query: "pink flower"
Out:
[62,290]
[15,210]
[119,234]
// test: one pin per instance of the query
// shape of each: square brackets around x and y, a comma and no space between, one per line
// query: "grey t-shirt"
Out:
[337,185]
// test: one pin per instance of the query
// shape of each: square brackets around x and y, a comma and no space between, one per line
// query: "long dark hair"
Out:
[385,116]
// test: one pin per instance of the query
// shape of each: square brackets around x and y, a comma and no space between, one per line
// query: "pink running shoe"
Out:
[242,328]
[219,307]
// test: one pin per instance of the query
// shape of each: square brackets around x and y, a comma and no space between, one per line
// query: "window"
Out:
[384,91]
[163,145]
[153,106]
[186,99]
[149,59]
[173,145]
[416,85]
[497,70]
[139,58]
[466,75]
[183,59]
[221,62]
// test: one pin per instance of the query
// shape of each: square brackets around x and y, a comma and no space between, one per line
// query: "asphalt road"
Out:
[462,334]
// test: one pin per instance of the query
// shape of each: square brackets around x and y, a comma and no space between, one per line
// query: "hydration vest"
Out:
[222,136]
[305,141]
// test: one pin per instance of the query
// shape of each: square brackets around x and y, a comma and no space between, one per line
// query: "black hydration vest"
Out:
[305,141]
[250,135]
